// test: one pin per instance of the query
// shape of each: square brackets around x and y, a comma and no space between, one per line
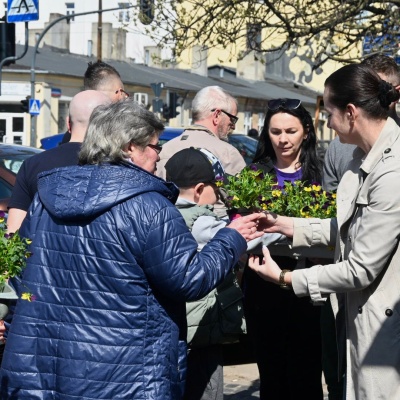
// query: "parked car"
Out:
[246,145]
[11,158]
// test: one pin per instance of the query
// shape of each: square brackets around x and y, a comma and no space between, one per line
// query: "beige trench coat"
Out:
[367,272]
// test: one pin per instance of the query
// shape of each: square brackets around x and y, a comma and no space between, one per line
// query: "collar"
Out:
[196,127]
[184,202]
[382,148]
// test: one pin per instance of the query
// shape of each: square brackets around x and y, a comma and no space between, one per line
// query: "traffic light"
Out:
[7,40]
[166,112]
[25,104]
[174,101]
[146,13]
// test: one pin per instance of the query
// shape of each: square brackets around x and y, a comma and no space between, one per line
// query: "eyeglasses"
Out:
[289,104]
[155,147]
[232,118]
[120,90]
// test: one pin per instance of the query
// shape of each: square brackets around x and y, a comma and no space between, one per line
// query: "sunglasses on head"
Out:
[289,104]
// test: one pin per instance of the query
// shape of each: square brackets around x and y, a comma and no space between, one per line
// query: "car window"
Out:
[12,159]
[5,189]
[13,165]
[247,147]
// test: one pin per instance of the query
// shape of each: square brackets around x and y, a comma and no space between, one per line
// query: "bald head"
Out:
[80,110]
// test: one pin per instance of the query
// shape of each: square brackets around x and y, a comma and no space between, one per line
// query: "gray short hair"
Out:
[209,98]
[113,127]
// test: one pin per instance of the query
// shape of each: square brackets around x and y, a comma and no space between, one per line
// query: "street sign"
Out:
[22,10]
[158,105]
[34,106]
[157,88]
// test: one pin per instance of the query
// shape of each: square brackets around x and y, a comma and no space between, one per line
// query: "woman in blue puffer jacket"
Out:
[113,264]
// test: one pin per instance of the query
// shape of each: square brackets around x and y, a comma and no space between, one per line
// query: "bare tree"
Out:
[327,29]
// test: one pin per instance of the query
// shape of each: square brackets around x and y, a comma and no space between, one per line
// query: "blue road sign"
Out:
[34,106]
[22,10]
[157,88]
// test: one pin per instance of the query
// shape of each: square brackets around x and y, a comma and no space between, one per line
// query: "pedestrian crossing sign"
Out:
[22,10]
[34,106]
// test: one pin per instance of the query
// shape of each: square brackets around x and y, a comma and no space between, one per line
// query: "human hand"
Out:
[273,223]
[248,226]
[2,331]
[267,268]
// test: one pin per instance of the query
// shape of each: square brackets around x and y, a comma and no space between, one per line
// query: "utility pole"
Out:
[100,32]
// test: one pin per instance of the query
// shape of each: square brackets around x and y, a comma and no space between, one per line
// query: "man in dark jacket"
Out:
[25,187]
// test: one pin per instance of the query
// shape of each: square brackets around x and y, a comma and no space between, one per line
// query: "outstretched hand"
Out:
[267,268]
[248,226]
[273,223]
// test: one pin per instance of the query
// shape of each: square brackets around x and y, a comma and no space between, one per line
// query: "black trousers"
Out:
[286,339]
[205,377]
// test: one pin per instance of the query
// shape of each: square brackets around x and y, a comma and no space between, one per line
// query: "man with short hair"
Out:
[25,188]
[214,114]
[105,78]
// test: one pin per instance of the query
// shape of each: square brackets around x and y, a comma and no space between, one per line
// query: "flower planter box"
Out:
[280,249]
[7,292]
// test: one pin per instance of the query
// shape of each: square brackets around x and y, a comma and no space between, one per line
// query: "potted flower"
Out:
[13,255]
[252,190]
[247,191]
[302,200]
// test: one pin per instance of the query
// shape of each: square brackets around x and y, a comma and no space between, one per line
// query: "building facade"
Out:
[70,44]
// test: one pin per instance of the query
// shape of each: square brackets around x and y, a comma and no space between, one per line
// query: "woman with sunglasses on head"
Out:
[366,232]
[291,368]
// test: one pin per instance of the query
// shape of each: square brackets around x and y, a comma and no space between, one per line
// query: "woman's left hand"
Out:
[268,269]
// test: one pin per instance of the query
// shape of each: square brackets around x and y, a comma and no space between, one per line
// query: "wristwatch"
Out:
[282,283]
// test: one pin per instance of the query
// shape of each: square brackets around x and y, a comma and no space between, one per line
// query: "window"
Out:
[70,10]
[18,124]
[253,37]
[147,57]
[141,98]
[124,12]
[278,65]
[2,129]
[261,118]
[247,121]
[90,48]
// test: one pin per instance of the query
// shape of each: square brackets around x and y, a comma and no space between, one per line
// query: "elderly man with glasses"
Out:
[214,115]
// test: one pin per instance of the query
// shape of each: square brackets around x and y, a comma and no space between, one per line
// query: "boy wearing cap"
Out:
[195,172]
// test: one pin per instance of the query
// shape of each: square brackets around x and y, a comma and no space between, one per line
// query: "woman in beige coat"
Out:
[366,277]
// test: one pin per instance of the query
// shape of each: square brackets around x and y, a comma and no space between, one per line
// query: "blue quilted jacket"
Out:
[113,264]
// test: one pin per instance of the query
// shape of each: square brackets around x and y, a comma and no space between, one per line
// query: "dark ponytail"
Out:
[364,88]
